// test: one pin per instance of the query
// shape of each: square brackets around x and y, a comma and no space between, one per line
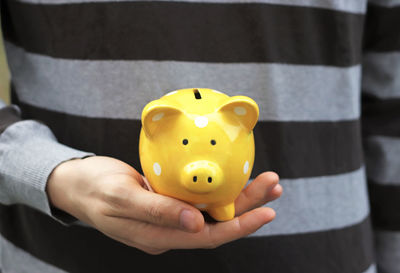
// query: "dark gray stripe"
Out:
[381,29]
[210,33]
[381,74]
[388,251]
[350,249]
[289,148]
[380,116]
[349,6]
[385,205]
[385,3]
[15,260]
[8,115]
[383,159]
[120,89]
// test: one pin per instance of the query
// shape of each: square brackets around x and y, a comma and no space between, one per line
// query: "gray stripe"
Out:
[120,89]
[320,203]
[342,5]
[381,74]
[315,204]
[385,3]
[371,269]
[382,159]
[388,251]
[16,260]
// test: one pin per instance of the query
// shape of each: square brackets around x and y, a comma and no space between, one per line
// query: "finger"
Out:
[211,236]
[139,204]
[264,188]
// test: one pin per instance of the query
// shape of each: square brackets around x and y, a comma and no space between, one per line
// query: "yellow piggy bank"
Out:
[197,145]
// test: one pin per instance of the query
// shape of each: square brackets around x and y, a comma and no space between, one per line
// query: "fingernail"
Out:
[187,220]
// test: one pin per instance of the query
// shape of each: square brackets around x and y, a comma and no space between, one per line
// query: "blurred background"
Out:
[4,74]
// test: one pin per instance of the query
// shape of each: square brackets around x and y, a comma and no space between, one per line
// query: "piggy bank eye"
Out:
[213,142]
[185,141]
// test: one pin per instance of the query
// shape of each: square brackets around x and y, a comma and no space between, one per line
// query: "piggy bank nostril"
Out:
[209,179]
[194,178]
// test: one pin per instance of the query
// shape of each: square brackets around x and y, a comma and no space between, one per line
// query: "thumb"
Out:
[163,210]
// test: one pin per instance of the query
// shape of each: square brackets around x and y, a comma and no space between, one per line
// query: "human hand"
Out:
[111,196]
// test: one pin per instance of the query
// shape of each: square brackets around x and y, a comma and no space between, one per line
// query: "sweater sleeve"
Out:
[381,127]
[28,154]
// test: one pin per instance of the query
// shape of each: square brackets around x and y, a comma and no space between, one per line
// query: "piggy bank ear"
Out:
[242,108]
[155,113]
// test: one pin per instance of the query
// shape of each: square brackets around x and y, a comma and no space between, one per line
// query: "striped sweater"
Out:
[324,74]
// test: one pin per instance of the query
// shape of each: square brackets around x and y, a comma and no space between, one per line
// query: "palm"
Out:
[113,197]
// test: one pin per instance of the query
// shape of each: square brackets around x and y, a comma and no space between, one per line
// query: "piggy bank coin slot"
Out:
[197,94]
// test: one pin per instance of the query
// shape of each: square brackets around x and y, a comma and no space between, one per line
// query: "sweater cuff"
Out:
[29,152]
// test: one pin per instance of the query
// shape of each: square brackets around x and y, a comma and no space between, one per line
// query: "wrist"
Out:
[60,184]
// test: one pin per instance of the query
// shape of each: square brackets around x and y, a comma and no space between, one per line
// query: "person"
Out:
[73,195]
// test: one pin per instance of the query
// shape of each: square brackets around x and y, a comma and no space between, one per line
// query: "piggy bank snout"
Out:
[201,176]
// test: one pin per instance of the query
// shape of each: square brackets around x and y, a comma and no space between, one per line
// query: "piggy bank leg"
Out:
[224,213]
